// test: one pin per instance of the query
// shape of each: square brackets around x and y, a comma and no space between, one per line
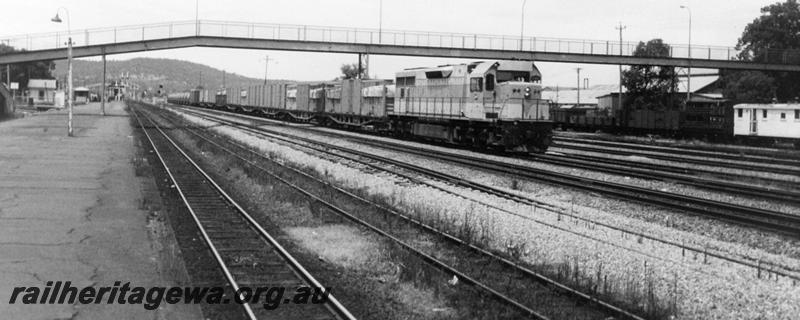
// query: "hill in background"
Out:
[175,75]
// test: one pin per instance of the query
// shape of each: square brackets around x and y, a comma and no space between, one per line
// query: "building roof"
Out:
[574,107]
[698,84]
[774,106]
[42,83]
[570,96]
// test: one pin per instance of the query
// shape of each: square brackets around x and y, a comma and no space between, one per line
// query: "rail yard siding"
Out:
[699,290]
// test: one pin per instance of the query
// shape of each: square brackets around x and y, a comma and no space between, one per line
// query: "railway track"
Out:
[774,183]
[247,255]
[625,169]
[788,167]
[774,221]
[780,270]
[784,155]
[780,190]
[769,220]
[528,286]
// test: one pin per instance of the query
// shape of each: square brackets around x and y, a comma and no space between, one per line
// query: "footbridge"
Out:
[225,34]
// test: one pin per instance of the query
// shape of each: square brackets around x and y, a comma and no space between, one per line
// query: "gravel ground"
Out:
[698,289]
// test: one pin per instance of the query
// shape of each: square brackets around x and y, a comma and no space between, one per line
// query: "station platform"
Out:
[71,209]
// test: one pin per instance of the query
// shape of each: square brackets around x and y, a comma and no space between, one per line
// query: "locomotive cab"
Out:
[508,90]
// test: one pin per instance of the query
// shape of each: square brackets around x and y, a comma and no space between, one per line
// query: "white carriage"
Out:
[779,121]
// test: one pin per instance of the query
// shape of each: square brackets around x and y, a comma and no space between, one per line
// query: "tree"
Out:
[22,72]
[650,86]
[772,34]
[350,71]
[749,86]
[772,37]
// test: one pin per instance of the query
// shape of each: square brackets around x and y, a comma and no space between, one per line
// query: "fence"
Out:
[167,30]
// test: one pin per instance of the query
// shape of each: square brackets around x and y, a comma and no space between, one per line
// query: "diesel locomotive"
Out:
[484,104]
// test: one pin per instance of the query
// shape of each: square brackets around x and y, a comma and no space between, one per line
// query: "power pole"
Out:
[579,87]
[689,69]
[358,75]
[200,84]
[619,99]
[366,65]
[522,24]
[69,89]
[223,79]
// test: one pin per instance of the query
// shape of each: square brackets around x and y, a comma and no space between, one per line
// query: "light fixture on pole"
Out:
[266,67]
[522,25]
[57,19]
[196,17]
[579,87]
[619,98]
[689,69]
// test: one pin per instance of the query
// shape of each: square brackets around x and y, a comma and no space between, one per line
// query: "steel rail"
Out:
[333,304]
[424,256]
[535,275]
[748,215]
[732,212]
[667,157]
[679,169]
[776,160]
[769,153]
[745,261]
[774,221]
[601,165]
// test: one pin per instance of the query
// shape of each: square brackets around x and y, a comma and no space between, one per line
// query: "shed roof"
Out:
[773,106]
[42,83]
[698,83]
[588,96]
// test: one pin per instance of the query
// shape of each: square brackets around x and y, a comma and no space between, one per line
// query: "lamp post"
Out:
[57,19]
[619,98]
[522,25]
[380,21]
[196,17]
[266,67]
[579,87]
[689,69]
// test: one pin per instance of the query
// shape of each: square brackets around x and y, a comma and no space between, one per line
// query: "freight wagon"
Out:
[485,104]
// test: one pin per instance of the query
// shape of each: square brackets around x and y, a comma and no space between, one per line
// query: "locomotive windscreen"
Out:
[522,76]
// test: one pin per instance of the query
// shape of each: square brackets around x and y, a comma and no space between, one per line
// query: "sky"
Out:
[714,22]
